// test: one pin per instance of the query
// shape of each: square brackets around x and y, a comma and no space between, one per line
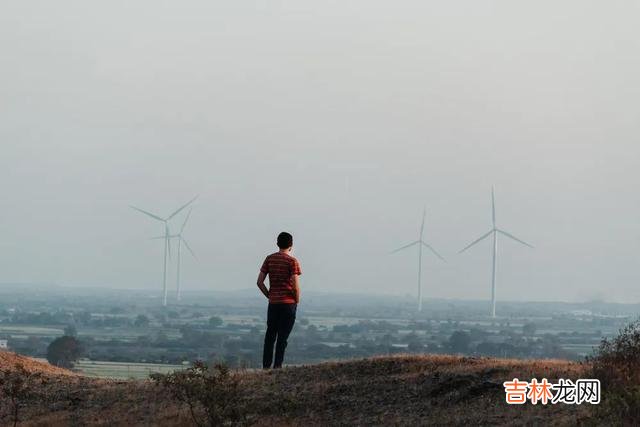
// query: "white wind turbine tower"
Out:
[420,242]
[167,238]
[181,240]
[494,232]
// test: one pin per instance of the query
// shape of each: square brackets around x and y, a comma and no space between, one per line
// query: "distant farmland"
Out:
[119,370]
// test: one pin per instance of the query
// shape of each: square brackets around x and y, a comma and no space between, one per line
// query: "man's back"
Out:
[283,294]
[281,268]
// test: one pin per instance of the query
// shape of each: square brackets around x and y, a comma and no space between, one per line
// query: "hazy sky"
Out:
[335,120]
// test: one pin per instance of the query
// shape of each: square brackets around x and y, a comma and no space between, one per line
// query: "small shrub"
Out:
[616,363]
[17,386]
[212,394]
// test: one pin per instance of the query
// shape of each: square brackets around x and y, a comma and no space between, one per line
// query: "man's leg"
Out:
[285,325]
[270,337]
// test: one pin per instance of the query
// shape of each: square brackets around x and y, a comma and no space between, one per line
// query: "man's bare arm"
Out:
[296,287]
[261,284]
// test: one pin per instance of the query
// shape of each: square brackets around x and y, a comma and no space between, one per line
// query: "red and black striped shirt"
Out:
[281,268]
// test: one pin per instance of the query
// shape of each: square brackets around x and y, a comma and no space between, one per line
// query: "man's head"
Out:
[285,240]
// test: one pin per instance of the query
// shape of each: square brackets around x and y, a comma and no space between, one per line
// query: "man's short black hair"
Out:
[285,240]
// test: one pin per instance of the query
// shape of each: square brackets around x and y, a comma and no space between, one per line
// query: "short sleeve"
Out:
[265,266]
[296,267]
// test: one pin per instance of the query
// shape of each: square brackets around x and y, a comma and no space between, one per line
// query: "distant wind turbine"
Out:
[494,232]
[420,242]
[167,245]
[181,240]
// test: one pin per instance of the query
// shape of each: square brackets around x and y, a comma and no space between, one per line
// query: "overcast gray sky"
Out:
[335,120]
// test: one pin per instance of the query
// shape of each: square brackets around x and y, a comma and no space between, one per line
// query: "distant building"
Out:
[4,344]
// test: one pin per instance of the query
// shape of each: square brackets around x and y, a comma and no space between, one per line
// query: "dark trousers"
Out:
[280,320]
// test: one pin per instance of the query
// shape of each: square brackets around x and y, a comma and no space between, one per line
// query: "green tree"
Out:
[84,317]
[529,329]
[215,321]
[64,351]
[459,342]
[141,321]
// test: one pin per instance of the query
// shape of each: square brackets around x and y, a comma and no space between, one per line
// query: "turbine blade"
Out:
[428,246]
[405,247]
[493,206]
[181,208]
[189,248]
[147,213]
[185,221]
[157,237]
[484,236]
[424,215]
[514,238]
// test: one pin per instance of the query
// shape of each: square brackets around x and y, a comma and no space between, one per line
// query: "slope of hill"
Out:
[393,390]
[9,361]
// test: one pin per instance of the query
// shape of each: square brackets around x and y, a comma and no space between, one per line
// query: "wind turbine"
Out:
[167,238]
[494,232]
[420,242]
[181,240]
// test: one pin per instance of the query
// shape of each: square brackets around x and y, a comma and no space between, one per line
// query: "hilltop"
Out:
[390,390]
[9,361]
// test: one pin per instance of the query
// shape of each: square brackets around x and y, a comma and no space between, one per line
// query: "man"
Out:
[283,294]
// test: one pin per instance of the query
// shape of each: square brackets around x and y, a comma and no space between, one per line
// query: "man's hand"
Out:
[296,287]
[261,284]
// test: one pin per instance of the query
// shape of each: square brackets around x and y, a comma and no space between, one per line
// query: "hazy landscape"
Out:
[127,334]
[457,181]
[352,359]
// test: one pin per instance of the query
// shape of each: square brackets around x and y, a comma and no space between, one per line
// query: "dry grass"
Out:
[9,360]
[411,390]
[394,390]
